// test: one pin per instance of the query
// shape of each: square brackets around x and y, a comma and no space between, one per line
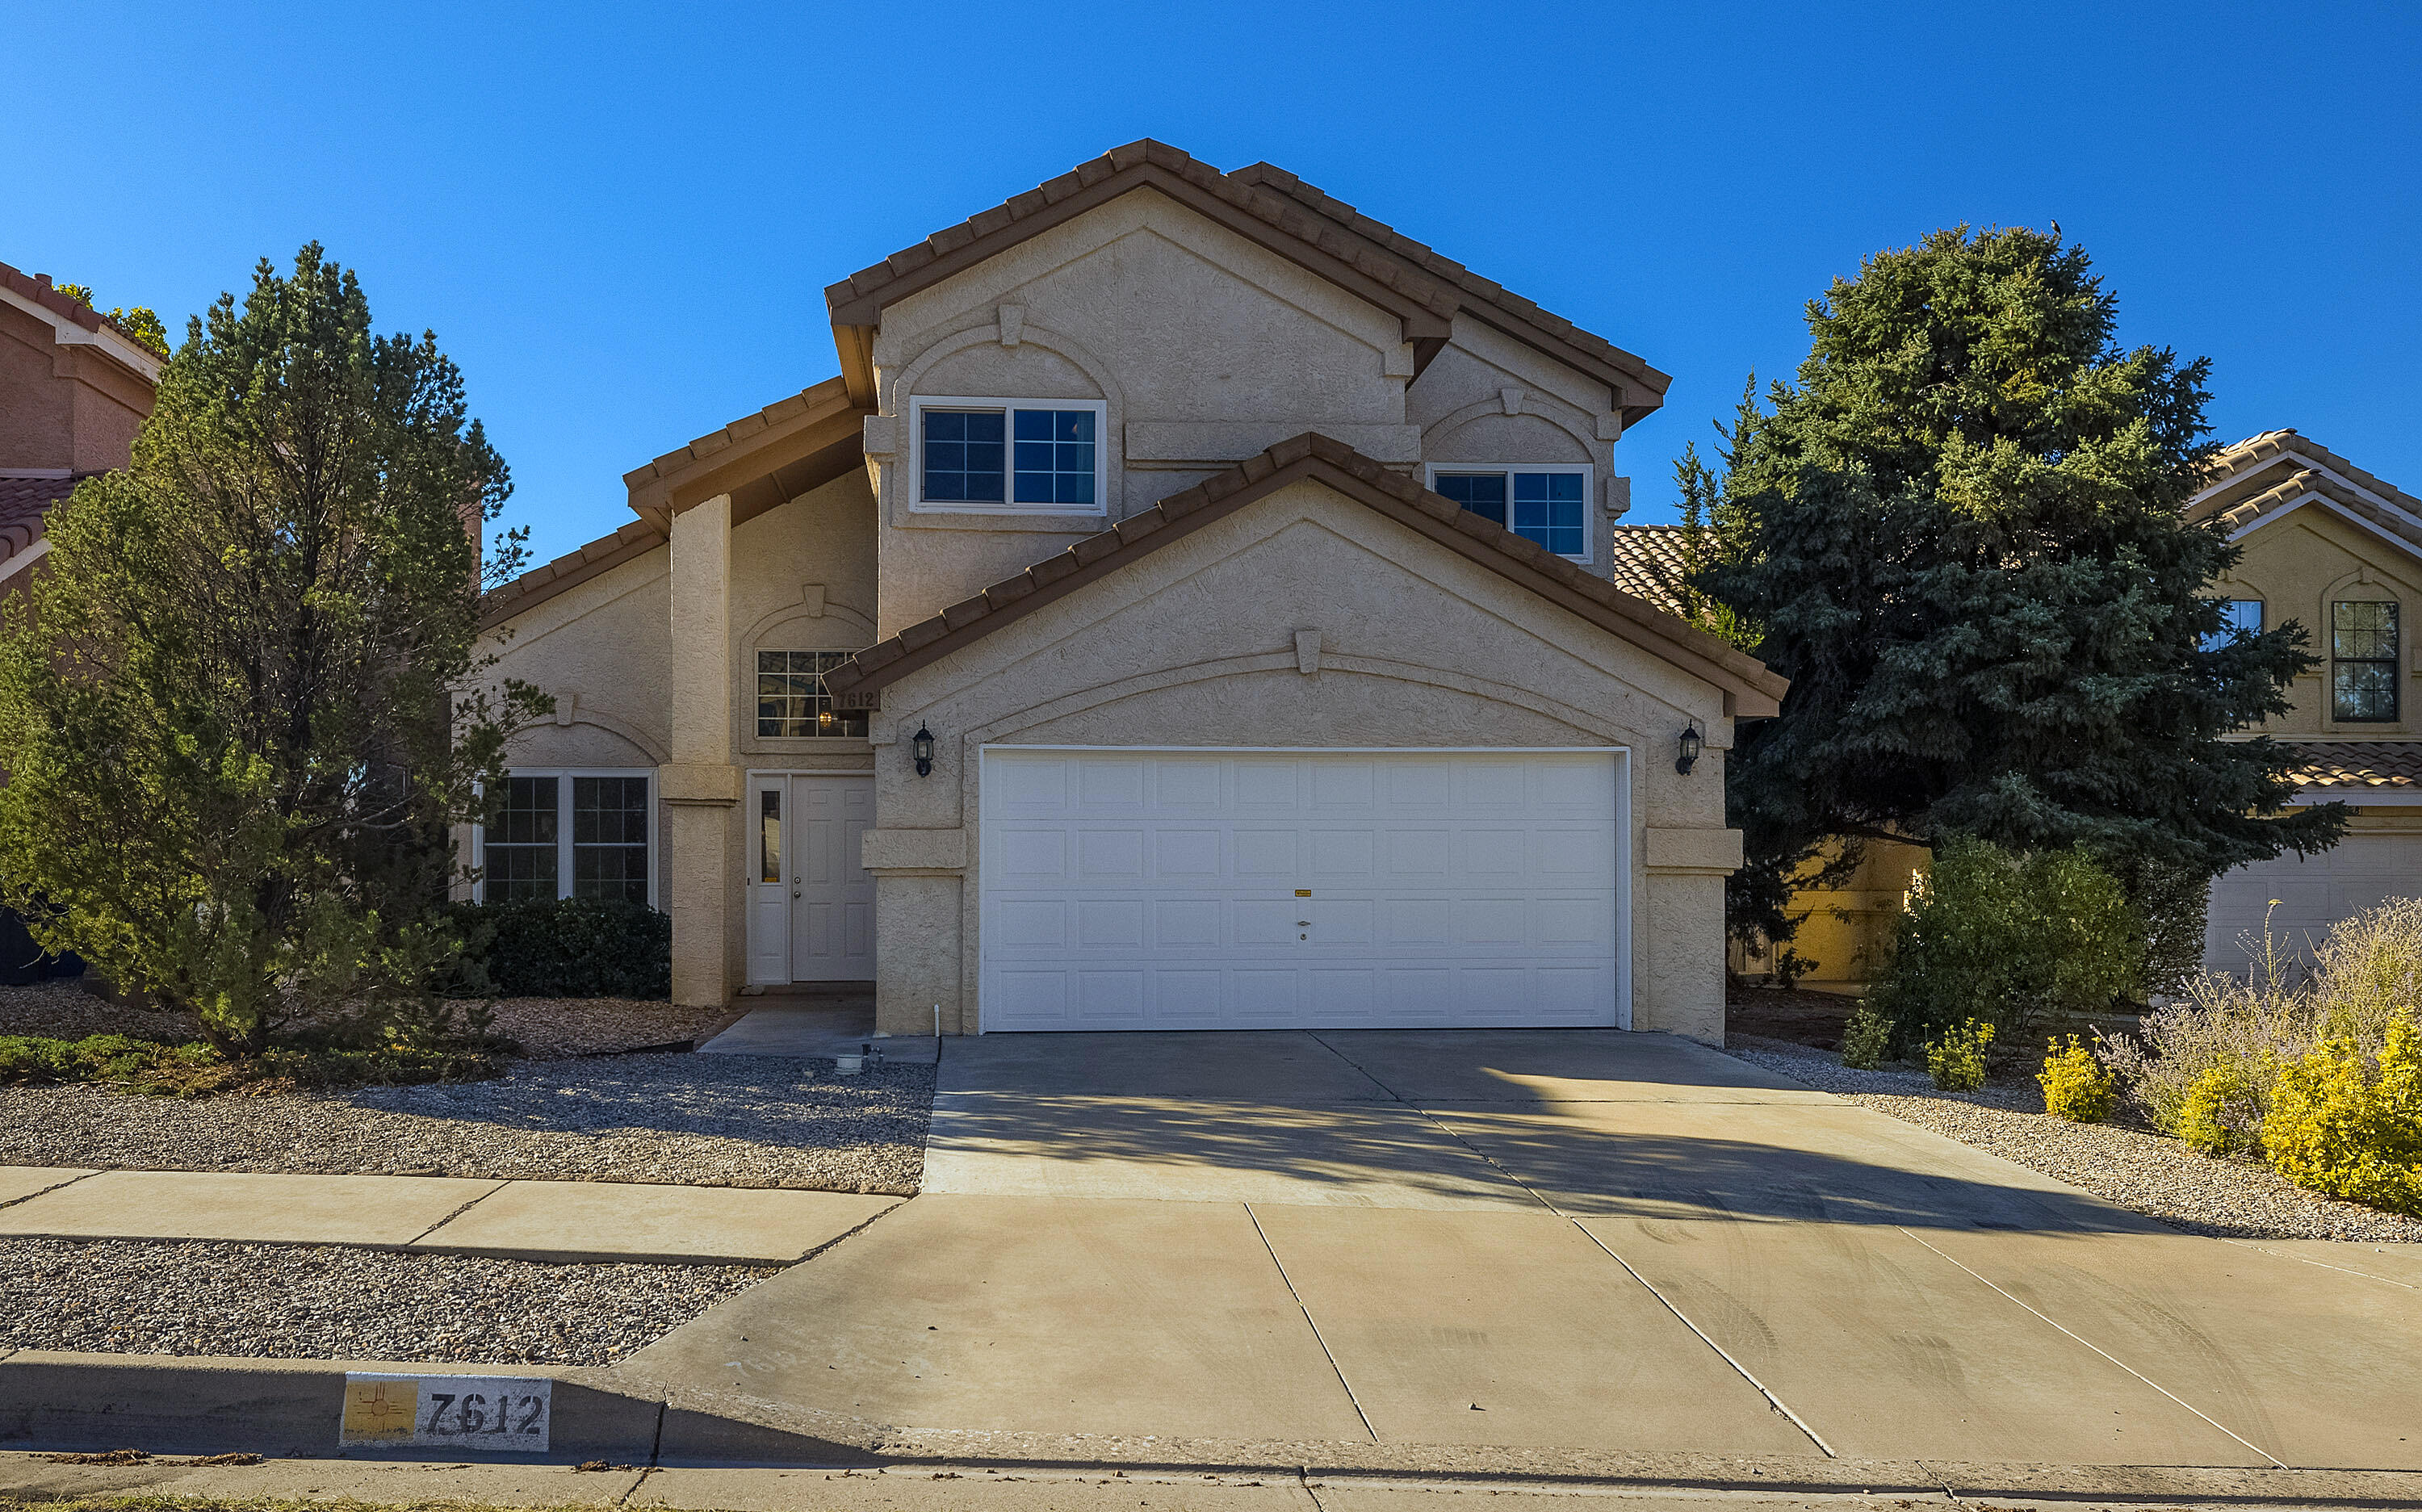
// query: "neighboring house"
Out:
[73,389]
[2327,546]
[1196,605]
[2340,551]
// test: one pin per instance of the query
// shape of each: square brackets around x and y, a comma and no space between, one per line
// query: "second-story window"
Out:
[1547,503]
[2237,617]
[2363,662]
[1038,457]
[792,700]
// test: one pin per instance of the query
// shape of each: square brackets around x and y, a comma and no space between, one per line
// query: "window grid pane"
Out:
[791,697]
[1548,510]
[963,455]
[2363,662]
[1482,494]
[1054,457]
[522,858]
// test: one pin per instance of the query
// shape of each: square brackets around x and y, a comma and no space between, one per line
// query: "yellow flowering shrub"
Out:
[2220,1113]
[1955,1057]
[2349,1126]
[2076,1086]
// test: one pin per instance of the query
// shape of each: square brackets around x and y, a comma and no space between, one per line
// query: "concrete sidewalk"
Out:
[561,1221]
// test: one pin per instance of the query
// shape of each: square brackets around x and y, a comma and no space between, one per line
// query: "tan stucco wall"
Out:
[2298,565]
[627,660]
[1195,645]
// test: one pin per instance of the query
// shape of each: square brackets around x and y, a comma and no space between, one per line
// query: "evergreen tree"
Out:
[1958,533]
[244,703]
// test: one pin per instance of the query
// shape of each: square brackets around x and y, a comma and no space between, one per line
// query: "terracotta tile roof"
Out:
[813,402]
[1273,207]
[1646,562]
[2265,474]
[39,288]
[2348,769]
[25,504]
[1758,690]
[574,567]
[1484,295]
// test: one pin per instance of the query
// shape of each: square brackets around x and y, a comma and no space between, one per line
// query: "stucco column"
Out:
[1683,937]
[701,786]
[920,895]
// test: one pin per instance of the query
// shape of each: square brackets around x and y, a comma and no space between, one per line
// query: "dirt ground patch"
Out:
[1814,1019]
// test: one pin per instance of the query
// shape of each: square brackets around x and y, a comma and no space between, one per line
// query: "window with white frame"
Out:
[1014,456]
[792,700]
[1543,503]
[2363,661]
[2237,617]
[569,835]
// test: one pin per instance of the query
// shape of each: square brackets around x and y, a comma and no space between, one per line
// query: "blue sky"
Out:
[620,220]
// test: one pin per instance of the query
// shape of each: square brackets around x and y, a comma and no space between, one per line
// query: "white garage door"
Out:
[1255,890]
[2358,872]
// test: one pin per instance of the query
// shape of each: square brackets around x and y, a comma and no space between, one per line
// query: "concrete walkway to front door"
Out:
[1578,1239]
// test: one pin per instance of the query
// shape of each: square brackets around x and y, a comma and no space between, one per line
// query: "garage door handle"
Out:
[1303,924]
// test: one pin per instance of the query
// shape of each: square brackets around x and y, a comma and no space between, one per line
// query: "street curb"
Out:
[290,1408]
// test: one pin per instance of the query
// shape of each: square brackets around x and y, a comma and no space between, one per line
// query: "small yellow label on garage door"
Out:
[1304,892]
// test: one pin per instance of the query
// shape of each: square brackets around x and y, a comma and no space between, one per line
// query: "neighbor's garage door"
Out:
[2358,872]
[1217,889]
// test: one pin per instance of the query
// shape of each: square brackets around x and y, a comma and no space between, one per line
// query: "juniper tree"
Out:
[242,707]
[1958,533]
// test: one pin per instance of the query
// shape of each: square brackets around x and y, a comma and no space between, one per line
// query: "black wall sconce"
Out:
[921,744]
[1692,743]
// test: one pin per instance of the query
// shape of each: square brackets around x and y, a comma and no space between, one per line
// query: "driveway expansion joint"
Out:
[1312,1323]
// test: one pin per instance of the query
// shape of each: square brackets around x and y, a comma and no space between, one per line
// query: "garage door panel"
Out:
[2312,894]
[1248,889]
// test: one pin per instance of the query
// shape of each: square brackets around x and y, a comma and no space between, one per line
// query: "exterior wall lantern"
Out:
[1692,742]
[921,744]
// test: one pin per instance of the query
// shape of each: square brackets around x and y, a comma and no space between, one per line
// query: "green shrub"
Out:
[565,947]
[194,1070]
[1956,1057]
[2347,1124]
[2076,1086]
[2006,939]
[2221,1110]
[1866,1039]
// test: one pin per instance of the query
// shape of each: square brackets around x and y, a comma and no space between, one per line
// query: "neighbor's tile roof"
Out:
[2348,769]
[2262,476]
[1646,561]
[25,504]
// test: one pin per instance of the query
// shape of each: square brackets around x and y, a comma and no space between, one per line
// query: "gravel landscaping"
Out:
[698,1120]
[299,1302]
[2150,1173]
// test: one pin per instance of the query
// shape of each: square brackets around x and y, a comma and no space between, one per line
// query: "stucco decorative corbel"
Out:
[1306,652]
[811,599]
[1512,398]
[566,702]
[1012,324]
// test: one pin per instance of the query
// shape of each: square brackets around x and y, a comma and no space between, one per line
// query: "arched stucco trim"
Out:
[1093,697]
[912,374]
[1547,407]
[776,619]
[613,724]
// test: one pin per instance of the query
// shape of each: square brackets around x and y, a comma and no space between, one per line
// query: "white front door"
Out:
[811,903]
[1298,890]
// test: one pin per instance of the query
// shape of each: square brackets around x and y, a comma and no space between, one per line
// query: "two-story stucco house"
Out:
[1191,608]
[2340,551]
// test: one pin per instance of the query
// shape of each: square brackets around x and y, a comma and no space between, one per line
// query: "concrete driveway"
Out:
[1587,1240]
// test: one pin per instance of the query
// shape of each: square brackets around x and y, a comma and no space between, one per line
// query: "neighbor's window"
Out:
[1546,504]
[2363,662]
[1044,456]
[2237,617]
[791,697]
[568,835]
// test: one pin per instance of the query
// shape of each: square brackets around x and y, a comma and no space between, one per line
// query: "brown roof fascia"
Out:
[533,588]
[1424,306]
[1750,690]
[1638,389]
[820,422]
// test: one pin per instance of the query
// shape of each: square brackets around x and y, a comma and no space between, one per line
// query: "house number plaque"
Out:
[465,1412]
